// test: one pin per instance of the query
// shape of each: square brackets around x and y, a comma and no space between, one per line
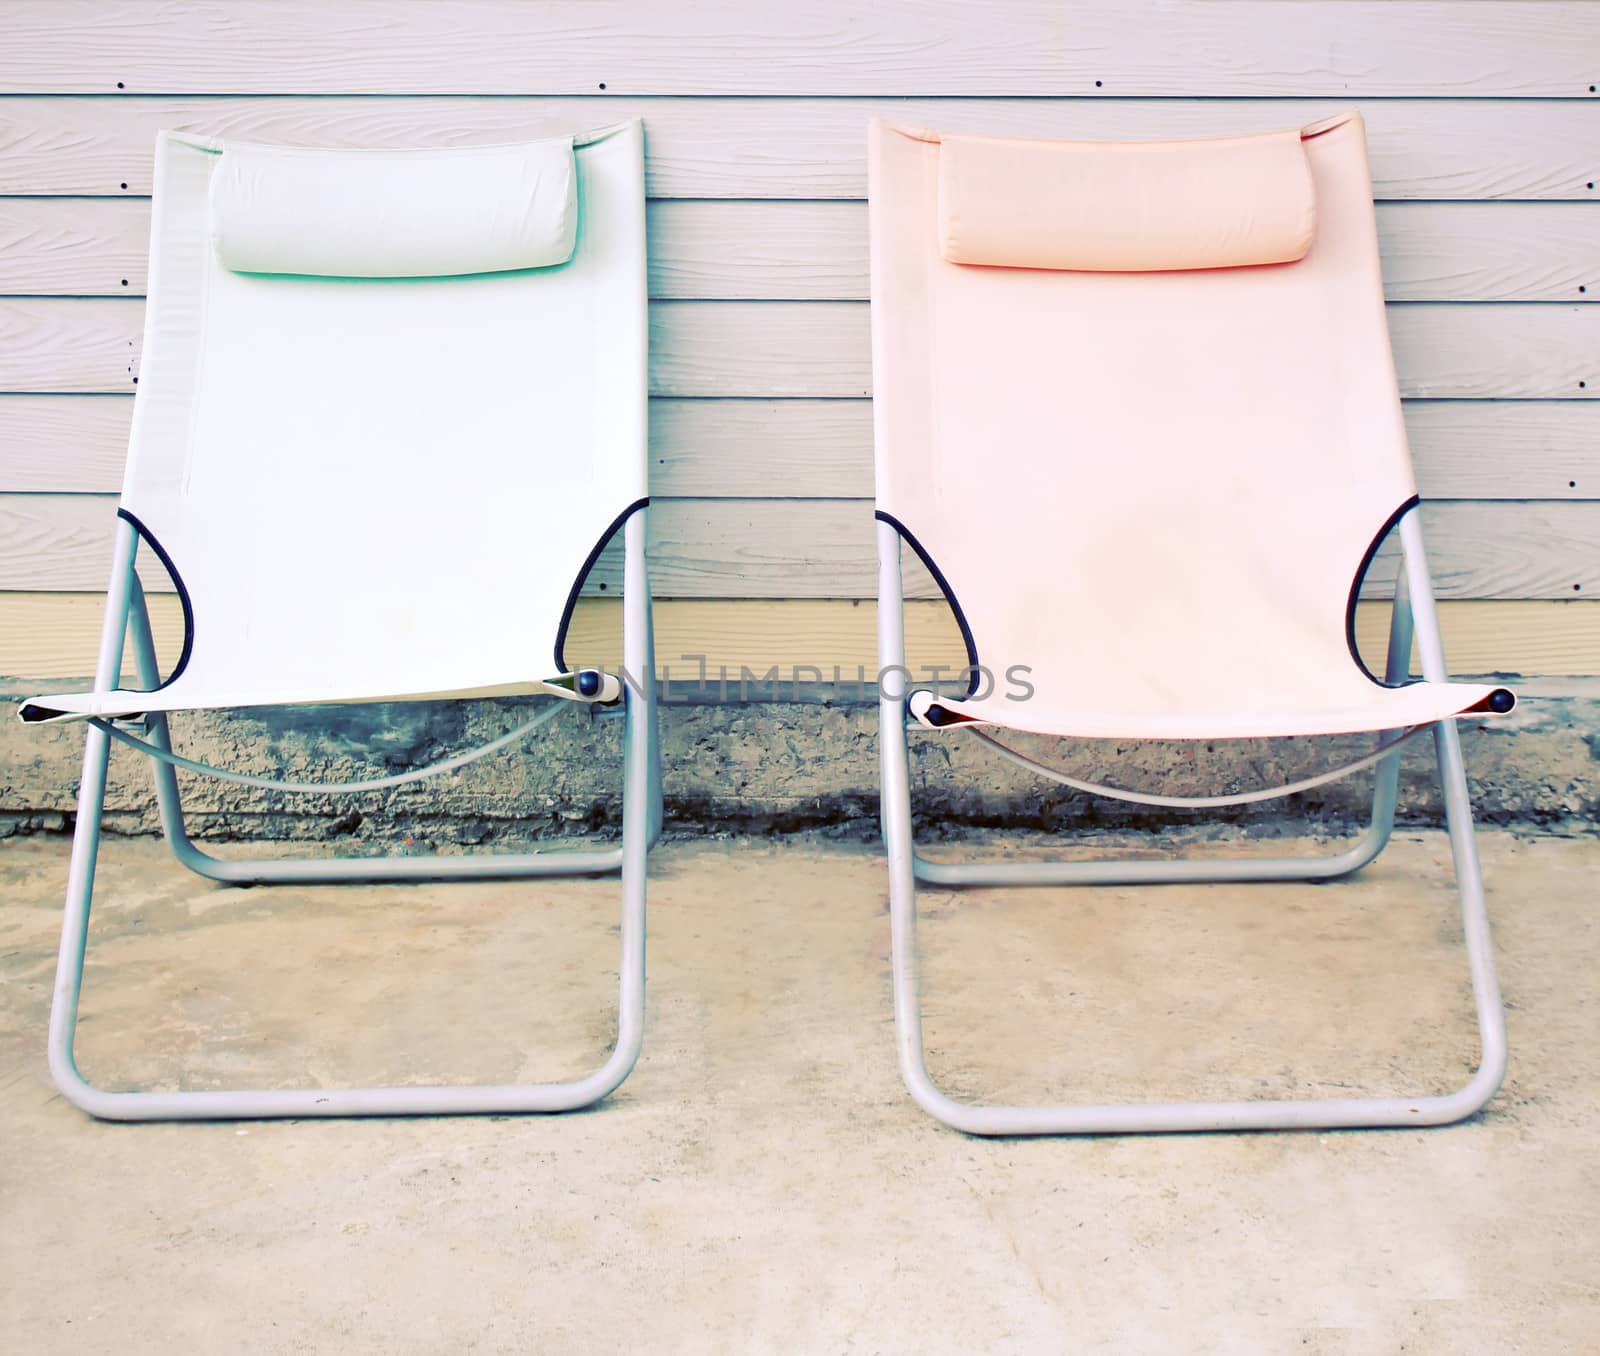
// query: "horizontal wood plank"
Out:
[74,247]
[1475,252]
[821,348]
[70,345]
[825,548]
[753,449]
[817,251]
[56,635]
[1347,48]
[1519,449]
[71,444]
[796,349]
[1433,149]
[822,449]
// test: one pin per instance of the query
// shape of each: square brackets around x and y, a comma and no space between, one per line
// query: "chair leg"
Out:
[647,678]
[394,1101]
[1315,1113]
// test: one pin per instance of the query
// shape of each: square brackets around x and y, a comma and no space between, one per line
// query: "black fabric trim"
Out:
[1355,590]
[583,570]
[910,539]
[149,539]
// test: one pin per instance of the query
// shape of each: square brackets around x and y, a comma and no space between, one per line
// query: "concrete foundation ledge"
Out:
[763,766]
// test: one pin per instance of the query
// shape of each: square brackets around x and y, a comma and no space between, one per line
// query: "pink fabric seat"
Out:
[1135,405]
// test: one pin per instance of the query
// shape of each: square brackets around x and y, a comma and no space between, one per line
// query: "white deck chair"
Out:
[392,407]
[1136,412]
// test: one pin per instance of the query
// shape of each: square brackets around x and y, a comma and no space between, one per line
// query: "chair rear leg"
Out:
[647,680]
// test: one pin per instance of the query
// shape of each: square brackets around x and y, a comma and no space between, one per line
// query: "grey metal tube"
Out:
[1458,816]
[1396,669]
[895,809]
[86,832]
[638,763]
[169,800]
[647,679]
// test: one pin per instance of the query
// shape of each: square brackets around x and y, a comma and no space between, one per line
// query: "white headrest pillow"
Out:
[394,214]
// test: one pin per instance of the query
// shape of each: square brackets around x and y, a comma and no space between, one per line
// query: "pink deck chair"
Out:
[1136,412]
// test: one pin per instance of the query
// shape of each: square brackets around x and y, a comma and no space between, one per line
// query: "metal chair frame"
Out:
[1414,612]
[127,614]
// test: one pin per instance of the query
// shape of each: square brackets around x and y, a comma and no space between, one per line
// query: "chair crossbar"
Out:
[460,760]
[1384,748]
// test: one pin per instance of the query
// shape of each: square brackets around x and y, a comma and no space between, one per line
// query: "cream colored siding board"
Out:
[56,635]
[55,444]
[822,449]
[63,344]
[790,449]
[75,247]
[709,250]
[824,548]
[1519,449]
[1348,48]
[1458,149]
[821,349]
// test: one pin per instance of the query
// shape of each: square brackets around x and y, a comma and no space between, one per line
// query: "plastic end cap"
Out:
[590,683]
[925,710]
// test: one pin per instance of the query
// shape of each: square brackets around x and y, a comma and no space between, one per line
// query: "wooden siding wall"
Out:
[1484,125]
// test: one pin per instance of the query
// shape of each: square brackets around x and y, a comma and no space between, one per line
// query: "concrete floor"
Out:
[761,1183]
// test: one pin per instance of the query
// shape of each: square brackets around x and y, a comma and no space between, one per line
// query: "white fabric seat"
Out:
[384,487]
